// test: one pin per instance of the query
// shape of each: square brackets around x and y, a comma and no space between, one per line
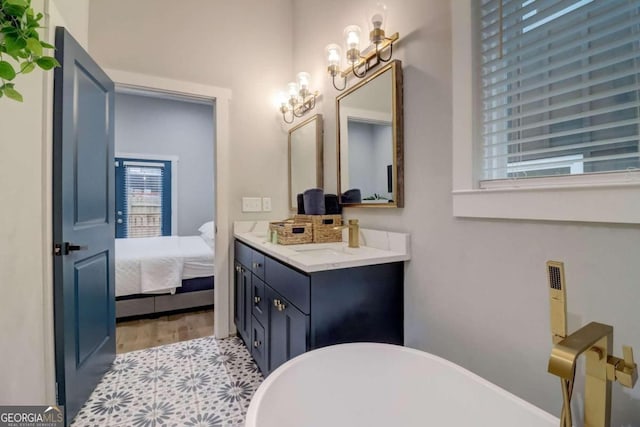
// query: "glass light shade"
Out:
[303,80]
[352,37]
[378,17]
[292,89]
[334,55]
[282,99]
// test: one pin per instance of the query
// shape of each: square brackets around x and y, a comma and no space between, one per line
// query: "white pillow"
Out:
[208,230]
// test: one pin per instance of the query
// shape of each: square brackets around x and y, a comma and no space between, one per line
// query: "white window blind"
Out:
[560,87]
[143,199]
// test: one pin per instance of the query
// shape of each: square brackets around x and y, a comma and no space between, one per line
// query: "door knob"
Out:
[67,247]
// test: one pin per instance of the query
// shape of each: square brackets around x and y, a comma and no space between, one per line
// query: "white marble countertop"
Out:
[376,247]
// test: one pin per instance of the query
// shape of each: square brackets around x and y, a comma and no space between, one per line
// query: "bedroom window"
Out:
[143,198]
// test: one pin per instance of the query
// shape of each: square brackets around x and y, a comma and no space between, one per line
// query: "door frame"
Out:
[221,97]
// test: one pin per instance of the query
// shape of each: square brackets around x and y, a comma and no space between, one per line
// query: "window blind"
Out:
[560,86]
[143,207]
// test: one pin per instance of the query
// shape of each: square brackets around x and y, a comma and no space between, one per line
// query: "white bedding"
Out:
[156,265]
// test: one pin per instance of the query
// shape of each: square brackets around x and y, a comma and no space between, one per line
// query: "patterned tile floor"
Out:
[201,382]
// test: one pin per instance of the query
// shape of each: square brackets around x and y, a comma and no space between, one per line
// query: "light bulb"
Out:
[333,55]
[292,88]
[303,80]
[377,21]
[352,37]
[282,99]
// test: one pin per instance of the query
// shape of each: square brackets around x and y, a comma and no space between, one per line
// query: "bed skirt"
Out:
[193,293]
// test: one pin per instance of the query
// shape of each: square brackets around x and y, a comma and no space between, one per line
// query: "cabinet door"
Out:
[242,302]
[259,345]
[288,330]
[246,305]
[238,301]
[258,300]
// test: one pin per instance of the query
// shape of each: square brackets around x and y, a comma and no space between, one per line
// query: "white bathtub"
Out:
[373,385]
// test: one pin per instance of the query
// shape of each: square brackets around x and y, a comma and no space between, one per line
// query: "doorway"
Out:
[165,222]
[221,98]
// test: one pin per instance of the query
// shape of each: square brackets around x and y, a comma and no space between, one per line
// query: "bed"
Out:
[159,274]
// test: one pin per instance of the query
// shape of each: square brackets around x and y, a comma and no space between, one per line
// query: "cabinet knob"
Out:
[257,344]
[238,268]
[256,265]
[279,305]
[257,299]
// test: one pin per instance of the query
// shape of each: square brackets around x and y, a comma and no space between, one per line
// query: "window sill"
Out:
[607,202]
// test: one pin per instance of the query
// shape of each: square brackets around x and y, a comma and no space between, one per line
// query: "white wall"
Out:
[241,45]
[475,290]
[26,312]
[157,126]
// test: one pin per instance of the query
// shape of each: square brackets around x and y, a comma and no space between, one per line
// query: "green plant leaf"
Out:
[34,46]
[9,30]
[47,62]
[14,44]
[6,71]
[27,67]
[13,94]
[20,3]
[47,45]
[1,93]
[13,10]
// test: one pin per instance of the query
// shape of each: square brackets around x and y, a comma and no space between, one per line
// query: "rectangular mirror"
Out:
[305,158]
[370,140]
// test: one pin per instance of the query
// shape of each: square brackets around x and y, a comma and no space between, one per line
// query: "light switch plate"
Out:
[266,204]
[251,204]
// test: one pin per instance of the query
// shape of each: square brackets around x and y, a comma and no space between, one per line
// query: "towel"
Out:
[352,196]
[314,201]
[332,205]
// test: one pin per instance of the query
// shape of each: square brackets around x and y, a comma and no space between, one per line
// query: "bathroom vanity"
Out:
[291,299]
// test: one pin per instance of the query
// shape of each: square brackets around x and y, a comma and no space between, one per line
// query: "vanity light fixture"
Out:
[360,61]
[299,99]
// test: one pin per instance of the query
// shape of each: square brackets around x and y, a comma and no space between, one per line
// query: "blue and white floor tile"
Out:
[203,382]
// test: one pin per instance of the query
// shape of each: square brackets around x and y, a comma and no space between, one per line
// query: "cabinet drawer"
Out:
[243,254]
[257,264]
[291,284]
[258,300]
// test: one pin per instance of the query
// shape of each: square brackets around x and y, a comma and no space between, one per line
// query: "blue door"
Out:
[83,217]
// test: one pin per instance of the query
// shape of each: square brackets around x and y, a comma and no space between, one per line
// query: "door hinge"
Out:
[57,249]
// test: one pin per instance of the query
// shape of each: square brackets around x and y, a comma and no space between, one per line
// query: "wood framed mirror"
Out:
[370,140]
[305,158]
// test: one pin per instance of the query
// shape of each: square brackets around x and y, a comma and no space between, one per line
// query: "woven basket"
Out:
[292,232]
[326,228]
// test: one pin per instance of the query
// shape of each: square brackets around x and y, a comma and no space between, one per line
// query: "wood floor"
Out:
[144,333]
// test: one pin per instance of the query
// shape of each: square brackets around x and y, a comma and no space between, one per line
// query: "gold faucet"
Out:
[595,340]
[354,233]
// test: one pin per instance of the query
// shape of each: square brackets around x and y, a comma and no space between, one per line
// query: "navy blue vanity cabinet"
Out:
[281,312]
